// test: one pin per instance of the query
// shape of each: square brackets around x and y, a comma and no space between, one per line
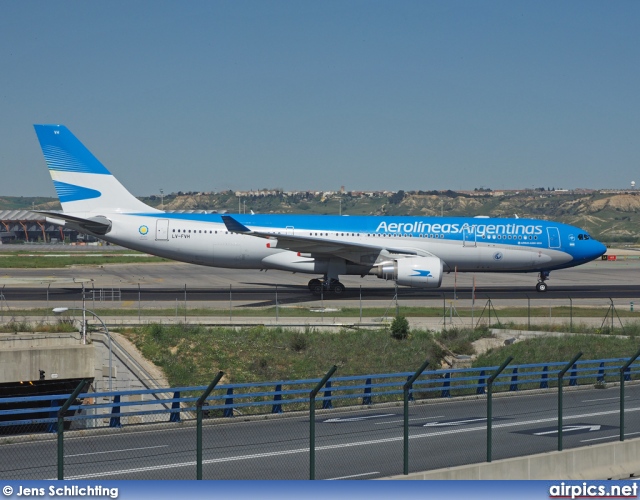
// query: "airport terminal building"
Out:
[24,225]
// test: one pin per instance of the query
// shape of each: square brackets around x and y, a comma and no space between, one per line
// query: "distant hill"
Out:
[608,216]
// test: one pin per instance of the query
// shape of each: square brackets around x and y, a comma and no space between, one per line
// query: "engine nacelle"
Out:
[418,272]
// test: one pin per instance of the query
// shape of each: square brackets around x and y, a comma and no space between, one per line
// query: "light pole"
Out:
[60,310]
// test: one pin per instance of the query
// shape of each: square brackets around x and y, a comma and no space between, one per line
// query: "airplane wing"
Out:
[96,225]
[359,253]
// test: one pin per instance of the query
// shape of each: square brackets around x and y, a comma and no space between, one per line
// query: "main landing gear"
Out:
[318,286]
[542,277]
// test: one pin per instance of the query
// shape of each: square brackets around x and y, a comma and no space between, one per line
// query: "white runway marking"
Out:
[401,421]
[354,475]
[117,451]
[609,437]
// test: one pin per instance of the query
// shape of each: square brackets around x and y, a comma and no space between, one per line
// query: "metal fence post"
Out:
[622,377]
[199,405]
[490,381]
[61,413]
[560,377]
[312,421]
[366,399]
[174,416]
[406,388]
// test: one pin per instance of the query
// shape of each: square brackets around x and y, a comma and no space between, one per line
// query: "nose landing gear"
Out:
[542,277]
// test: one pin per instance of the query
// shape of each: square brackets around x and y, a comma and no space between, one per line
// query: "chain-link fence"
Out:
[295,305]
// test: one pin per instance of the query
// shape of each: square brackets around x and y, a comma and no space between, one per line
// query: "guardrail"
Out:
[367,389]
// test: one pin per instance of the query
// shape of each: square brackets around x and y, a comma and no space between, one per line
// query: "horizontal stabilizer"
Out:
[97,225]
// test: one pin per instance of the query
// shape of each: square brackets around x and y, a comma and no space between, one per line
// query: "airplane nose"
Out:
[598,249]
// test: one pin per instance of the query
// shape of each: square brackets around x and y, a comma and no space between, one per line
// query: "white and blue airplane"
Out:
[412,251]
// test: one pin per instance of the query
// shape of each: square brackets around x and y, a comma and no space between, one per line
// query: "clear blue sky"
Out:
[213,95]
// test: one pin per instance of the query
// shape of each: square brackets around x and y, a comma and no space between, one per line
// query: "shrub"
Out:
[299,341]
[400,328]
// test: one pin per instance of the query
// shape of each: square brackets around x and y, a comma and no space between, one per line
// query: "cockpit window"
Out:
[584,237]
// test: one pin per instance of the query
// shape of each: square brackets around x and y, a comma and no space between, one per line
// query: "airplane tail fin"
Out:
[83,184]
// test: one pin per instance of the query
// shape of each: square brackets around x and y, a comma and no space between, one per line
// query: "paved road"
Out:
[364,443]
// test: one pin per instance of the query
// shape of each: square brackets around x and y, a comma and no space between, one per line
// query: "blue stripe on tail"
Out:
[65,153]
[71,192]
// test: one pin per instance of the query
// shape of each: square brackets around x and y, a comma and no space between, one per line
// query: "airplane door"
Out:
[162,230]
[554,237]
[289,230]
[468,238]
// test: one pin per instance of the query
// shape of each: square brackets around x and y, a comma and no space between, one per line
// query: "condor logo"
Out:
[422,274]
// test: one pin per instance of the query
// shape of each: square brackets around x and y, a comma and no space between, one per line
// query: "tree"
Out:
[396,198]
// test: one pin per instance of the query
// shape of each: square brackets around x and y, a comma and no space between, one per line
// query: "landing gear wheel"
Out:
[313,284]
[541,286]
[317,288]
[337,288]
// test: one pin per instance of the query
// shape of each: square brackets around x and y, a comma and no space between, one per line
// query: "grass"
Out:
[347,312]
[62,325]
[192,355]
[37,261]
[594,343]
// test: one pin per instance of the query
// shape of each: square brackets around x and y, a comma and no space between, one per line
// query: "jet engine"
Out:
[419,272]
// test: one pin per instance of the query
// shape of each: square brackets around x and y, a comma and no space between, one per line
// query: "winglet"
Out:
[234,226]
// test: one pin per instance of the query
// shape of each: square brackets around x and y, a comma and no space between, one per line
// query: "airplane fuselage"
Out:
[463,244]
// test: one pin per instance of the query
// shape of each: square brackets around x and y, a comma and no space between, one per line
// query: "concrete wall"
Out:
[23,355]
[617,460]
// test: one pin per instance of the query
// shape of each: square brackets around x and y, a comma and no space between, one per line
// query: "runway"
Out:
[596,281]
